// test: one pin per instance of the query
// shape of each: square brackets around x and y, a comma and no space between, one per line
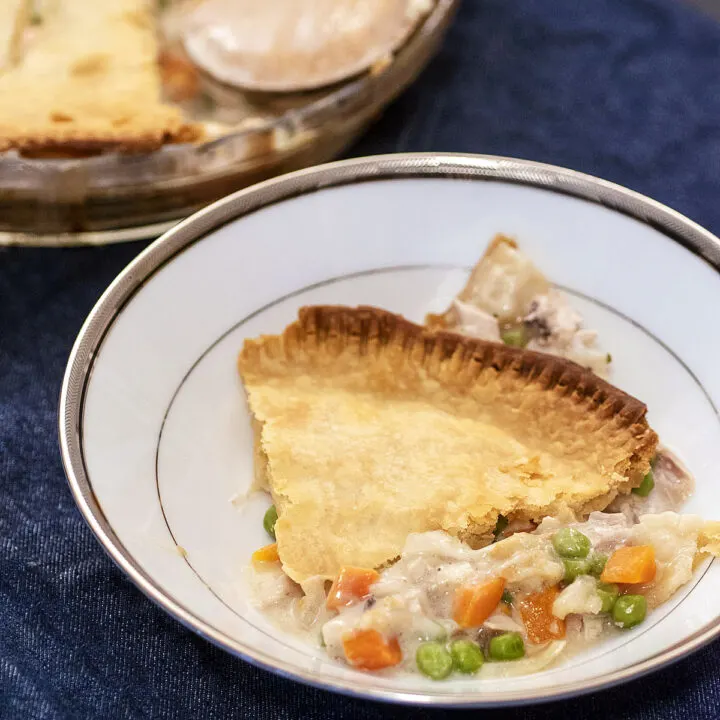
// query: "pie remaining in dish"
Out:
[79,77]
[470,499]
[84,78]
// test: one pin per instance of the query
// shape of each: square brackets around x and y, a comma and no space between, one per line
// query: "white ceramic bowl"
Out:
[154,428]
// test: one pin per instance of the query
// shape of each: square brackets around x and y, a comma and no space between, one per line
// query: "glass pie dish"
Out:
[251,137]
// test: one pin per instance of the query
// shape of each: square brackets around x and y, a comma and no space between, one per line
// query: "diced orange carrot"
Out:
[632,565]
[536,613]
[369,650]
[266,554]
[351,584]
[474,604]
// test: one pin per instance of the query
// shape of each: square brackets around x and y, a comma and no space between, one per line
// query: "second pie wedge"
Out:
[371,427]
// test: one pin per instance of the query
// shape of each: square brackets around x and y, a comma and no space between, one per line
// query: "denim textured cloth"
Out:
[625,89]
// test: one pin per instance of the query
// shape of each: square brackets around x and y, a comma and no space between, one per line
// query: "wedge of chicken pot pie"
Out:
[481,503]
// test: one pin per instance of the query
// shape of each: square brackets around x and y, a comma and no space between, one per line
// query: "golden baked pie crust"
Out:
[88,80]
[372,427]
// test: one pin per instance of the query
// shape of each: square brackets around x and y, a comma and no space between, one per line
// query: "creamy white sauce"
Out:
[578,598]
[413,599]
[476,322]
[552,324]
[559,331]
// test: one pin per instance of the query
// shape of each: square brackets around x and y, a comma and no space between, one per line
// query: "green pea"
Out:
[597,562]
[515,336]
[269,521]
[647,484]
[467,657]
[608,594]
[508,646]
[571,543]
[507,597]
[629,610]
[574,567]
[434,660]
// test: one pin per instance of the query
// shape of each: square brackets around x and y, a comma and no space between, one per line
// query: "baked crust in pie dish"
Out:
[87,80]
[371,428]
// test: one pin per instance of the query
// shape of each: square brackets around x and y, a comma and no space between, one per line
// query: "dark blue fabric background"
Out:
[625,89]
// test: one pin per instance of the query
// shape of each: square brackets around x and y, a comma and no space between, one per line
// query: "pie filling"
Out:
[549,324]
[564,534]
[507,299]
